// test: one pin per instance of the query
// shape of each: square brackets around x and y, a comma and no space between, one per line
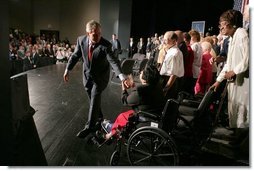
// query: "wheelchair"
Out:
[162,139]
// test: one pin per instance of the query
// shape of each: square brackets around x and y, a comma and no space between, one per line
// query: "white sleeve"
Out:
[244,50]
[221,76]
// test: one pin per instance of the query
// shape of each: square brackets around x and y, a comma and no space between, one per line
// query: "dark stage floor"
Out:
[61,112]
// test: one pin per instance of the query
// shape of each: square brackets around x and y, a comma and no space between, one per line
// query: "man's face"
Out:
[94,35]
[167,41]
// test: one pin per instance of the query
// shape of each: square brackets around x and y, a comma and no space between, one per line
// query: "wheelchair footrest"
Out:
[100,141]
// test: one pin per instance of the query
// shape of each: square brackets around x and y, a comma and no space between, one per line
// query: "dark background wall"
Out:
[73,16]
[149,17]
[136,18]
[66,16]
[109,16]
[21,14]
[115,17]
[45,15]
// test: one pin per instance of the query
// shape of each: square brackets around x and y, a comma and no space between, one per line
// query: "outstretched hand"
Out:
[66,77]
[212,60]
[127,83]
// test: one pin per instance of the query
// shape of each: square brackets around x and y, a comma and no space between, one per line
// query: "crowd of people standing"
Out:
[189,62]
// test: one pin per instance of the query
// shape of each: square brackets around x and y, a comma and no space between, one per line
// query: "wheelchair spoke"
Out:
[140,151]
[158,154]
[143,143]
[164,155]
[143,155]
[159,146]
[151,147]
[142,159]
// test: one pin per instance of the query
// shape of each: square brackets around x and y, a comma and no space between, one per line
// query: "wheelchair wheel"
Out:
[114,159]
[152,146]
[184,134]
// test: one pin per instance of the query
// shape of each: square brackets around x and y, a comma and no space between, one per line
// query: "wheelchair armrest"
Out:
[190,103]
[148,115]
[183,95]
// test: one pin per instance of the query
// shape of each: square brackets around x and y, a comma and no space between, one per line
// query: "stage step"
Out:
[221,143]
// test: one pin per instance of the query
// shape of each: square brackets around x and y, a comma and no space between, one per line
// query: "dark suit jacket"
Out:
[141,49]
[27,65]
[132,50]
[119,48]
[36,59]
[224,50]
[98,70]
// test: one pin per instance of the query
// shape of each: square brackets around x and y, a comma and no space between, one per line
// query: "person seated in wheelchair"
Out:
[148,97]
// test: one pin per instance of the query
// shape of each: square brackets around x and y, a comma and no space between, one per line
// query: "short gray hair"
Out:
[171,35]
[92,25]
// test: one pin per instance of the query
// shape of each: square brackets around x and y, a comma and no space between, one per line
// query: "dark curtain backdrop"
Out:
[149,16]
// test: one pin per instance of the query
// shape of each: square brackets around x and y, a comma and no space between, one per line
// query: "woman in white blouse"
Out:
[236,69]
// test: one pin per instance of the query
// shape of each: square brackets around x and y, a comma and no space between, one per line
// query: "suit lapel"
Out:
[85,48]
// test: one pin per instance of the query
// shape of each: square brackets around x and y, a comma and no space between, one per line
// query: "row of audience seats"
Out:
[132,66]
[140,62]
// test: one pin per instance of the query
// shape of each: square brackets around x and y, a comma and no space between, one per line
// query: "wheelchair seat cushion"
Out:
[187,110]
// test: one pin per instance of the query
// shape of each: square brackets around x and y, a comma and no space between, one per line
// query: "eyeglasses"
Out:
[223,24]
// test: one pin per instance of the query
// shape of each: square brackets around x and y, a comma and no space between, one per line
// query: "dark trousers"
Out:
[188,85]
[95,114]
[173,91]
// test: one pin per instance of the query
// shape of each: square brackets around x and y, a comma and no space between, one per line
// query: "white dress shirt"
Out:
[173,63]
[197,49]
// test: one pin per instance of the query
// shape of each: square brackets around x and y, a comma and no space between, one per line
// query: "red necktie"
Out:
[90,52]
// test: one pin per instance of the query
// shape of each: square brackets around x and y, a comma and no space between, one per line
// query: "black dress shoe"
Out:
[84,132]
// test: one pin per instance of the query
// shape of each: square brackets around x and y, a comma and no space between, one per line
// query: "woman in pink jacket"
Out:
[205,75]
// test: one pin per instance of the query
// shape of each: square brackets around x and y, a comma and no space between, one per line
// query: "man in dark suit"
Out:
[116,45]
[97,56]
[132,48]
[141,46]
[35,58]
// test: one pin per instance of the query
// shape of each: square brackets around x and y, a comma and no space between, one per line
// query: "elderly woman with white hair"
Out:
[205,75]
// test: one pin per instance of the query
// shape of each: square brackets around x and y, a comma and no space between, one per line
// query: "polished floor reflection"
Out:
[61,112]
